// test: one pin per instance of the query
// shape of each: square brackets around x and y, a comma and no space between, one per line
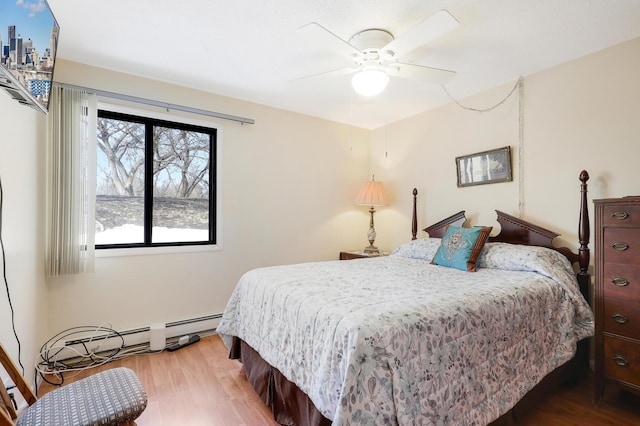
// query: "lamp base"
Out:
[371,250]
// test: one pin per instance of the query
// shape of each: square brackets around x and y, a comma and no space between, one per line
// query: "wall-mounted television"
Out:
[28,40]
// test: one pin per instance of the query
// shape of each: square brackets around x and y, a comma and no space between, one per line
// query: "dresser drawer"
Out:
[623,215]
[622,317]
[621,280]
[622,360]
[621,245]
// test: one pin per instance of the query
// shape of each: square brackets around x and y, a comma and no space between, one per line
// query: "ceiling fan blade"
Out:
[421,73]
[426,31]
[330,73]
[318,37]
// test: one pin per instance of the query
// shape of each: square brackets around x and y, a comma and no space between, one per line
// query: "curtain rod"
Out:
[159,104]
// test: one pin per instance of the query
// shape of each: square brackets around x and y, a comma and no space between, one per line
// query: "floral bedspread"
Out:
[396,340]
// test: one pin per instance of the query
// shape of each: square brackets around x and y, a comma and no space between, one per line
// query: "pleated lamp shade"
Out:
[372,194]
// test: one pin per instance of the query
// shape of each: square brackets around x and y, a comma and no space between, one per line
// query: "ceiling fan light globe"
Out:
[370,82]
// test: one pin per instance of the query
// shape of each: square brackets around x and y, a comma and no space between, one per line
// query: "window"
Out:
[155,183]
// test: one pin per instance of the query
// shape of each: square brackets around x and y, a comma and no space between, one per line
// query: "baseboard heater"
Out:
[138,337]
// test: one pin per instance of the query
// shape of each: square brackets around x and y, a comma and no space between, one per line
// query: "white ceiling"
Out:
[250,49]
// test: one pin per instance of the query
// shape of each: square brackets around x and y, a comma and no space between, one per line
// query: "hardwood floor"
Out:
[198,385]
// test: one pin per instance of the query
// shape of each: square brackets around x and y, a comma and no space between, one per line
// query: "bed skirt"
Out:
[291,406]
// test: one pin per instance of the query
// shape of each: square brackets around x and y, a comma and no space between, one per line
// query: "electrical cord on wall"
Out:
[6,282]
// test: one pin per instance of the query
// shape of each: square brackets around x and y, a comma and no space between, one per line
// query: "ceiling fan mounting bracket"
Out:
[372,39]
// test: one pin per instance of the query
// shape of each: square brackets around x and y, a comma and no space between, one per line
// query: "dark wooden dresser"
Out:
[617,293]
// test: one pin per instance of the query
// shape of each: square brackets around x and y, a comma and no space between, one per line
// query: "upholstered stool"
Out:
[111,397]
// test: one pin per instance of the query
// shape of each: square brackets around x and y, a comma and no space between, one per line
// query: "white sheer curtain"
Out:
[70,204]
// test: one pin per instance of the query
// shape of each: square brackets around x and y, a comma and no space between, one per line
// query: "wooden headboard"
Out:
[437,230]
[519,231]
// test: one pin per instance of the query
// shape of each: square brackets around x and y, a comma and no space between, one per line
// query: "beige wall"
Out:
[583,114]
[287,184]
[21,170]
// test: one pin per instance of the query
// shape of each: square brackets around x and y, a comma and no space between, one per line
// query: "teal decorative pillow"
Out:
[460,247]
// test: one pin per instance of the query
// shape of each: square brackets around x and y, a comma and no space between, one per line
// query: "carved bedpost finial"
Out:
[584,226]
[414,219]
[584,177]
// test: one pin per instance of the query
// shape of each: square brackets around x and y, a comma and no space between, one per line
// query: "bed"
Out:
[399,340]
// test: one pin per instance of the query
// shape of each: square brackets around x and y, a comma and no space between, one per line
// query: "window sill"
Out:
[147,251]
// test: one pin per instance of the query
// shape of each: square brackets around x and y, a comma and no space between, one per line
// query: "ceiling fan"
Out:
[375,53]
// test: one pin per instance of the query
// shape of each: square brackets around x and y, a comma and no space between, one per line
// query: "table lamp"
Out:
[372,194]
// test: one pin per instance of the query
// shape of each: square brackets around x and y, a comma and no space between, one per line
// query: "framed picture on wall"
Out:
[484,167]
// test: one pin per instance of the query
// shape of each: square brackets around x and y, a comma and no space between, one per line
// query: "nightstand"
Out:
[359,254]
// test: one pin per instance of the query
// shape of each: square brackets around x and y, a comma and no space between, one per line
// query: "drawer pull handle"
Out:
[620,246]
[620,360]
[619,281]
[619,318]
[620,215]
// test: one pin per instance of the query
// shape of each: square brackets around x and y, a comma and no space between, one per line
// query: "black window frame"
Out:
[149,123]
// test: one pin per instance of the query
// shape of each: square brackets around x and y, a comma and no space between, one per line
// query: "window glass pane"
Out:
[180,185]
[120,182]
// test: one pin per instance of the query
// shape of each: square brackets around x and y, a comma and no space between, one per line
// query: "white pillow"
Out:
[423,248]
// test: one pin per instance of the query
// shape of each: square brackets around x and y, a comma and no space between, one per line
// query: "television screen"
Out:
[29,39]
